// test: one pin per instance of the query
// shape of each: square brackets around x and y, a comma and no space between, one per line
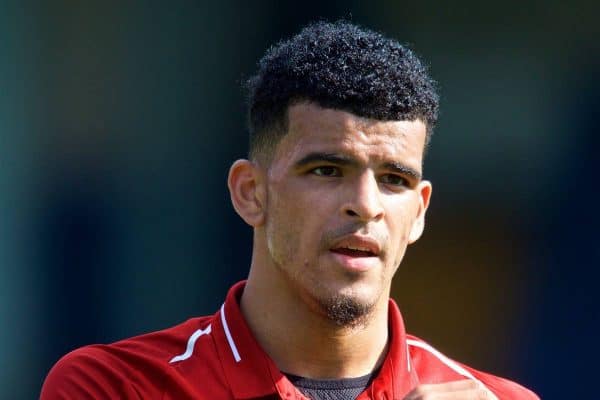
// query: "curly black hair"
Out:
[341,66]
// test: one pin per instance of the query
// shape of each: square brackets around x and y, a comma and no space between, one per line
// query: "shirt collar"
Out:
[251,373]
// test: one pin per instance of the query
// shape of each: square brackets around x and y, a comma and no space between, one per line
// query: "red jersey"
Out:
[216,358]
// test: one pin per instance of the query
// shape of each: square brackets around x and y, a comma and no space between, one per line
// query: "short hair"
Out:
[342,66]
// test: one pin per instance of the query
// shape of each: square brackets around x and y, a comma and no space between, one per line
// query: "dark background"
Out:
[118,124]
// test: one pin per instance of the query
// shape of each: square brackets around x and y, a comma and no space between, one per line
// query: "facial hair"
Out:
[345,310]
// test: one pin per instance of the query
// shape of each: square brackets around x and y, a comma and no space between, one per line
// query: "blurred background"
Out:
[118,124]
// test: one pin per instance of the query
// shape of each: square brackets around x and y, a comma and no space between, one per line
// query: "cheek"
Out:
[400,224]
[280,241]
[399,221]
[278,219]
[287,225]
[284,207]
[399,241]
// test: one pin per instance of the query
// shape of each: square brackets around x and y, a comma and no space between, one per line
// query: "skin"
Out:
[334,179]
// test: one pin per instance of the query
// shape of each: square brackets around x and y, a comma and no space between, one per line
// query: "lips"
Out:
[357,246]
[357,254]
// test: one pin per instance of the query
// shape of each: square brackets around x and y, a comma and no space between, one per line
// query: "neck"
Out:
[304,342]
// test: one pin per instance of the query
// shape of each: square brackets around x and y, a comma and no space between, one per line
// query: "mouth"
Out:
[357,246]
[353,252]
[357,253]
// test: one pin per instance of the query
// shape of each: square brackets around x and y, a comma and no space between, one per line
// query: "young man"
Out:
[339,120]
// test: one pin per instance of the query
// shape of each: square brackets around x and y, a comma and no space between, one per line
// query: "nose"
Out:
[364,199]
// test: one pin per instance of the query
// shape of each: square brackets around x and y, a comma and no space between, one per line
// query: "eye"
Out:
[326,170]
[393,179]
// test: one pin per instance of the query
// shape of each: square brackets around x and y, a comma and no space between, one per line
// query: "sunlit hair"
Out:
[342,66]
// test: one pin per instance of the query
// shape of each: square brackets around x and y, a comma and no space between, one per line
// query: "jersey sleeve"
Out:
[434,367]
[87,373]
[503,388]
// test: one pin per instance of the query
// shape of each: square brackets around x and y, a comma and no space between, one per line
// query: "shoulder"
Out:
[86,373]
[432,367]
[134,368]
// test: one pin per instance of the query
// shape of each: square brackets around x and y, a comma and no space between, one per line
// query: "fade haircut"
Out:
[341,66]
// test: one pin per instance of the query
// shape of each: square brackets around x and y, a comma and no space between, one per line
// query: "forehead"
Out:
[315,129]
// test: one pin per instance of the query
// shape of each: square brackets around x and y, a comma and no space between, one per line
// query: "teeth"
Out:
[358,248]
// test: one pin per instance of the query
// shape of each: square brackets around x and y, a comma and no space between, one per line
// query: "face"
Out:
[344,199]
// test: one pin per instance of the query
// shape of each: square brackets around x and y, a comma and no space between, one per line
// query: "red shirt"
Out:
[216,357]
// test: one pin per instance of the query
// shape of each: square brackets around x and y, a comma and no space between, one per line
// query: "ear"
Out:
[247,191]
[424,189]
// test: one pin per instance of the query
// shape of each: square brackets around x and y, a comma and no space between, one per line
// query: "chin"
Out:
[346,300]
[346,308]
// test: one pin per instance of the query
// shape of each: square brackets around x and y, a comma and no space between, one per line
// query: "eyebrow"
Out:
[343,160]
[403,169]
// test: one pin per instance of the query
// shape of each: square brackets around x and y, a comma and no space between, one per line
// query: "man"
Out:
[339,121]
